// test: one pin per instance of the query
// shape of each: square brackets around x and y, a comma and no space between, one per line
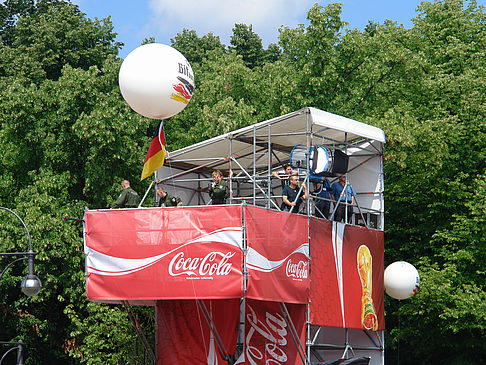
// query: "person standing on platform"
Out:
[283,175]
[322,196]
[340,196]
[167,200]
[128,197]
[290,196]
[218,190]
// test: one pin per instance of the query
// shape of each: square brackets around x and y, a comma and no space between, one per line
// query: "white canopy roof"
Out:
[283,132]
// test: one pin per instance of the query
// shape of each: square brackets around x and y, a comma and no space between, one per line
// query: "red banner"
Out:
[346,276]
[169,253]
[278,255]
[144,255]
[196,332]
[268,336]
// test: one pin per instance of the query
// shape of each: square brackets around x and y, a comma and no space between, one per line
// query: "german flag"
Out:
[156,153]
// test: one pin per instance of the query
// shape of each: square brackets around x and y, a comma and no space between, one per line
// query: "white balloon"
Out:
[156,81]
[401,280]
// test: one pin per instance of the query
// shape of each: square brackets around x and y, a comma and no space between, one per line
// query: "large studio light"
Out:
[323,161]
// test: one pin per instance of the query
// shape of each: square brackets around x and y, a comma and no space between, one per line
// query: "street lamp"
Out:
[31,285]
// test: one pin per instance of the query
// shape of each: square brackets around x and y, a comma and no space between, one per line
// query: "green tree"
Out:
[248,45]
[195,48]
[423,87]
[62,123]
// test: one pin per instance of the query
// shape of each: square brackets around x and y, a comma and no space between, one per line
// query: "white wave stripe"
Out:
[258,262]
[102,264]
[337,244]
[230,235]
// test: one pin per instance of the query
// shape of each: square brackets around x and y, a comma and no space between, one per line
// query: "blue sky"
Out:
[135,20]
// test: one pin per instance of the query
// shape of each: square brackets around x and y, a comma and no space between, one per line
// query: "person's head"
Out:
[217,175]
[125,184]
[287,168]
[294,180]
[342,179]
[161,192]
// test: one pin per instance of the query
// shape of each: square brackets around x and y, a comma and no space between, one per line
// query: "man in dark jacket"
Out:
[167,200]
[128,197]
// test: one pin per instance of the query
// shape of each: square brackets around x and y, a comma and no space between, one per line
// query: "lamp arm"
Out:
[5,354]
[13,262]
[20,219]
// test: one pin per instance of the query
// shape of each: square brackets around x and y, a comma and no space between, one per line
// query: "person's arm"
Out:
[286,201]
[306,193]
[210,190]
[332,193]
[121,200]
[179,202]
[275,173]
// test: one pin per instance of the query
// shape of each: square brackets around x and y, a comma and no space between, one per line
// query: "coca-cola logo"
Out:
[274,333]
[297,270]
[213,264]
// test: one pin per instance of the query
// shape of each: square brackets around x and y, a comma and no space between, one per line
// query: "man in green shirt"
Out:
[167,200]
[128,197]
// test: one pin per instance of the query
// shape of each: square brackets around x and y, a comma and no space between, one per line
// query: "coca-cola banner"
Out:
[184,334]
[268,337]
[278,255]
[164,253]
[346,276]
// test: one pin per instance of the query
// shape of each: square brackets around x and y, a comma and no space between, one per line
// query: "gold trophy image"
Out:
[369,320]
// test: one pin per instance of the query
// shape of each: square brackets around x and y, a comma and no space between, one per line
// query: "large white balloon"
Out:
[156,81]
[401,280]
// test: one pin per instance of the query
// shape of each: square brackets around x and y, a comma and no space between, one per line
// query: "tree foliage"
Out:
[68,139]
[63,122]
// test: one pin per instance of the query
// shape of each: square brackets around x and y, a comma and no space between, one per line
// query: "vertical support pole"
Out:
[308,335]
[20,353]
[241,326]
[269,174]
[244,248]
[199,189]
[307,162]
[156,342]
[381,186]
[308,323]
[155,190]
[254,166]
[382,347]
[230,171]
[346,184]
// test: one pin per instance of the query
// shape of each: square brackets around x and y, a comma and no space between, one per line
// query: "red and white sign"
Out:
[346,276]
[268,337]
[278,256]
[144,255]
[184,335]
[170,253]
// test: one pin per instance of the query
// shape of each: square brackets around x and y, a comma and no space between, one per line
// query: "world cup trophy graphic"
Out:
[369,319]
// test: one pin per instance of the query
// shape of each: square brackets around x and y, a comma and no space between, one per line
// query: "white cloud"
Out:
[220,16]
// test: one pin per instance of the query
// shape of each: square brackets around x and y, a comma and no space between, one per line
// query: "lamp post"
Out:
[31,285]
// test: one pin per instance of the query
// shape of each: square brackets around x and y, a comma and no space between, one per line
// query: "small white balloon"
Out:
[401,280]
[156,81]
